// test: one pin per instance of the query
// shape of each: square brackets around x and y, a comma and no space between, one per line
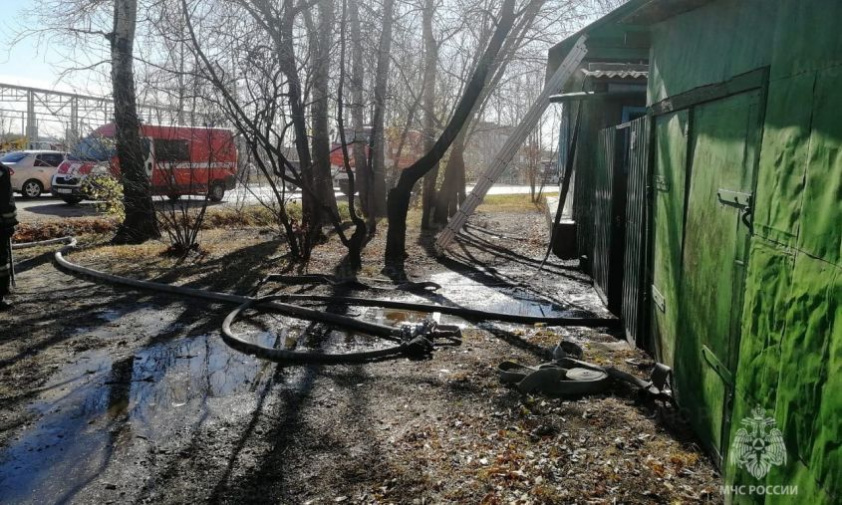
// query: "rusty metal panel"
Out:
[633,262]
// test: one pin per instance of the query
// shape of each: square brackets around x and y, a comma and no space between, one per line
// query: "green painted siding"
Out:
[723,143]
[821,212]
[783,159]
[806,36]
[709,45]
[669,189]
[801,194]
[771,315]
[789,333]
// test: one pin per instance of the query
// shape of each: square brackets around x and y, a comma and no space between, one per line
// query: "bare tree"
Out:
[356,242]
[259,111]
[322,182]
[258,117]
[356,84]
[431,57]
[452,192]
[375,179]
[140,224]
[82,26]
[398,204]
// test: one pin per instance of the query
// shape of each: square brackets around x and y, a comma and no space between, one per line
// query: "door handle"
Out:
[745,217]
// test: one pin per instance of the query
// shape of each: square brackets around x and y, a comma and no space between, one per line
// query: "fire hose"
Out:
[413,342]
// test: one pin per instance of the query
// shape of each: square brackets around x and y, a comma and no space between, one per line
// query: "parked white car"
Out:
[32,170]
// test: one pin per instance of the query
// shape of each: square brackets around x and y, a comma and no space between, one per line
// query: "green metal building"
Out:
[732,214]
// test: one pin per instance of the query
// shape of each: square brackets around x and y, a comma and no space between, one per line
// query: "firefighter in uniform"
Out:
[8,221]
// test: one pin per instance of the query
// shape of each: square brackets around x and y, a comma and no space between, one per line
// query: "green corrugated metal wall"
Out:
[790,345]
[723,138]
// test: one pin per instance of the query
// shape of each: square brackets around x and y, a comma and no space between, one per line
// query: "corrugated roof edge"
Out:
[633,12]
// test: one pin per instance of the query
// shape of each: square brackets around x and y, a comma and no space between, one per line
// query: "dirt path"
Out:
[118,396]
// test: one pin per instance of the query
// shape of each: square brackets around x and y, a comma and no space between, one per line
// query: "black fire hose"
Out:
[412,344]
[465,313]
[378,330]
[416,345]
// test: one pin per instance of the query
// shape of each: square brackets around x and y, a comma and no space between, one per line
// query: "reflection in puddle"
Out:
[98,403]
[146,316]
[470,293]
[101,404]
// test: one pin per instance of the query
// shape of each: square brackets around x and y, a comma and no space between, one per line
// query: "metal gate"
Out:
[635,239]
[609,208]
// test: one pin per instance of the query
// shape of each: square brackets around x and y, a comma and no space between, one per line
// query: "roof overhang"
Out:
[649,12]
[582,96]
[622,35]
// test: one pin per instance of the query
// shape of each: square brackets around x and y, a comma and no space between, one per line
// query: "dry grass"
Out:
[513,203]
[45,230]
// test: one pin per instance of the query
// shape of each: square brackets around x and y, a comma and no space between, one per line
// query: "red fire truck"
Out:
[179,161]
[411,150]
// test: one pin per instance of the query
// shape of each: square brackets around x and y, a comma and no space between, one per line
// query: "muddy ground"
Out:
[110,395]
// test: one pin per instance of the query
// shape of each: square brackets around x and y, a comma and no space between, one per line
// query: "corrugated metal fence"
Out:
[616,220]
[609,208]
[635,239]
[603,194]
[583,196]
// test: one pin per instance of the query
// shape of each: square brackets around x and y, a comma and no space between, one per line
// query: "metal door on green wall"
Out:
[724,137]
[667,229]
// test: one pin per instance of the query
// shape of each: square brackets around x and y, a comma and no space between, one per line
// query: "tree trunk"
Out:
[139,224]
[447,199]
[310,206]
[429,99]
[356,84]
[322,181]
[357,241]
[377,183]
[452,192]
[399,196]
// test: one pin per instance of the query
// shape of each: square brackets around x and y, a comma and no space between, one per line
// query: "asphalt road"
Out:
[49,207]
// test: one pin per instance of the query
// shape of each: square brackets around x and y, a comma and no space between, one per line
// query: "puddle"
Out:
[96,406]
[470,293]
[100,406]
[101,410]
[146,316]
[295,334]
[111,315]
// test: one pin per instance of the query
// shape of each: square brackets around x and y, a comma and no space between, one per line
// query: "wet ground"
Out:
[116,396]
